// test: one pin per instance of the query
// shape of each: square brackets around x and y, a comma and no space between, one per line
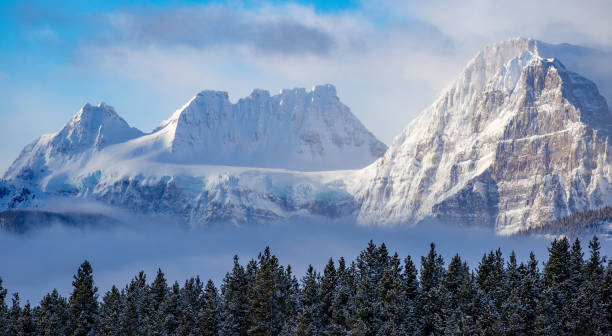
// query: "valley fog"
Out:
[36,262]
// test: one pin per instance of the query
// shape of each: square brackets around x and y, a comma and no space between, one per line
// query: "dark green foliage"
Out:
[83,302]
[376,295]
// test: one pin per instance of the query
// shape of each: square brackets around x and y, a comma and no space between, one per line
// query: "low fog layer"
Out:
[40,260]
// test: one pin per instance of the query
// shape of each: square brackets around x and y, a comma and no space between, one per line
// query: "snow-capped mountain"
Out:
[210,161]
[517,140]
[296,129]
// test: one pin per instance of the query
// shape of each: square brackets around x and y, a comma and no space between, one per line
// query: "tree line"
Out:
[579,223]
[376,294]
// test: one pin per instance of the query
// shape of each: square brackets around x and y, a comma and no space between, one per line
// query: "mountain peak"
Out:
[296,129]
[493,148]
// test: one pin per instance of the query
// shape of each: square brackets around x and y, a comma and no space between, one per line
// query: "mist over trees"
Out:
[378,293]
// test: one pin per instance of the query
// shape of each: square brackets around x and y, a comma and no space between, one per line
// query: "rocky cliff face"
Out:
[516,141]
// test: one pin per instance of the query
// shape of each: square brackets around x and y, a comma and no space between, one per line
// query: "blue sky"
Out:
[388,59]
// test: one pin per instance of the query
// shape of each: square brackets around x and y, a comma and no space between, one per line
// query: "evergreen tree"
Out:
[371,264]
[265,314]
[310,318]
[290,293]
[411,300]
[590,310]
[190,296]
[236,303]
[210,311]
[111,313]
[431,305]
[4,316]
[342,303]
[529,292]
[329,282]
[134,306]
[391,295]
[27,320]
[171,310]
[553,311]
[157,293]
[83,302]
[52,315]
[14,325]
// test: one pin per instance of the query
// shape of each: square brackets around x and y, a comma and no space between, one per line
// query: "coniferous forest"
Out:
[376,294]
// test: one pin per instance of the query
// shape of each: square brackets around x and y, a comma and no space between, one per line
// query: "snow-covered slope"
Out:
[91,129]
[296,129]
[211,161]
[517,140]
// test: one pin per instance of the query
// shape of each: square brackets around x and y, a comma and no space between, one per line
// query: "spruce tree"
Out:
[134,306]
[4,316]
[209,315]
[14,325]
[343,311]
[171,310]
[265,314]
[329,282]
[111,313]
[431,305]
[27,320]
[391,295]
[310,317]
[411,299]
[52,315]
[236,303]
[157,293]
[83,302]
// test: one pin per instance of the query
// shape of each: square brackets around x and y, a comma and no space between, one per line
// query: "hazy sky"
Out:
[388,59]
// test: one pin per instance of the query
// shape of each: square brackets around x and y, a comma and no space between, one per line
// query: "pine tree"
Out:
[329,282]
[342,304]
[83,302]
[190,296]
[391,294]
[52,315]
[134,306]
[157,293]
[171,310]
[27,320]
[431,275]
[529,292]
[110,313]
[411,298]
[310,317]
[513,310]
[290,293]
[371,264]
[236,303]
[265,313]
[553,311]
[209,315]
[4,316]
[590,307]
[14,321]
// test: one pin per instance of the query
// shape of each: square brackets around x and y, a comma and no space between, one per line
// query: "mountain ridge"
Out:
[516,141]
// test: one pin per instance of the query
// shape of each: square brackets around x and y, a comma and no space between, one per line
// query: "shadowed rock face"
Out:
[517,141]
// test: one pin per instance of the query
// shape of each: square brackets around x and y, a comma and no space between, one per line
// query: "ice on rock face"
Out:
[516,141]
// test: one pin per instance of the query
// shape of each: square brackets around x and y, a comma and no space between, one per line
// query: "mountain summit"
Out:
[517,140]
[296,129]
